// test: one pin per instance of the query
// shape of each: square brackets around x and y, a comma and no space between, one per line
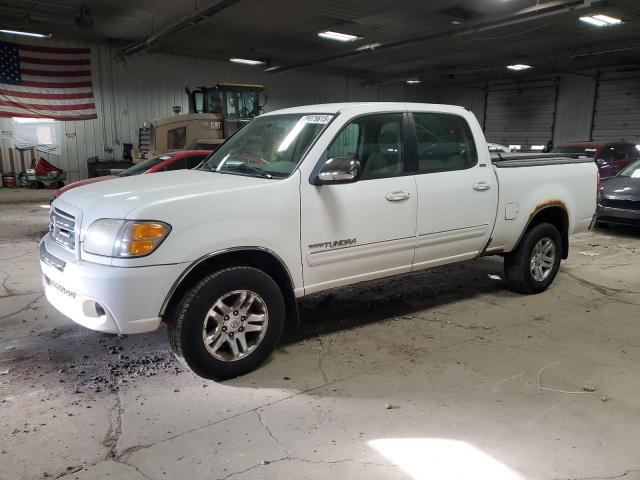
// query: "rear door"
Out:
[457,189]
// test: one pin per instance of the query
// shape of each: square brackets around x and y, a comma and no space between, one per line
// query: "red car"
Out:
[611,157]
[162,163]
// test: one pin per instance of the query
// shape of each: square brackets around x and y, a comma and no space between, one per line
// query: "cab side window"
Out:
[376,141]
[444,143]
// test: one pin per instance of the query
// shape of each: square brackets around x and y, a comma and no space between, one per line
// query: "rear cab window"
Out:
[444,142]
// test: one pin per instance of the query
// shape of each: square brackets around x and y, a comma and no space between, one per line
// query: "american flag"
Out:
[45,82]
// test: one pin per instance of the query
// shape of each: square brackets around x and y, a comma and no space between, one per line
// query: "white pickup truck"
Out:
[299,201]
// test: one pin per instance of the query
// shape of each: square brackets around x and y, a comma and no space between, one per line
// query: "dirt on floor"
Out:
[441,374]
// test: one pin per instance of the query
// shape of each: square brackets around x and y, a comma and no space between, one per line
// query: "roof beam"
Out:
[179,26]
[535,12]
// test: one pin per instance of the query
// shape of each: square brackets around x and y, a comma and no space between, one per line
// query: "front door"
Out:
[366,229]
[457,190]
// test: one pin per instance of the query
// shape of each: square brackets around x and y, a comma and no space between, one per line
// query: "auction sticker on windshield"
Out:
[322,119]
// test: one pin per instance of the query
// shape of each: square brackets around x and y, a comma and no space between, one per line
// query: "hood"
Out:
[622,187]
[123,195]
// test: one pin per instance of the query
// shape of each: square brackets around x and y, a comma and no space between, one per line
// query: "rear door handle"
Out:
[480,186]
[397,196]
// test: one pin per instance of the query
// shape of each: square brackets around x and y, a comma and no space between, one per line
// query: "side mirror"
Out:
[338,170]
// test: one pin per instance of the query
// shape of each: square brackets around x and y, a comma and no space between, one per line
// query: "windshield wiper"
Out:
[243,167]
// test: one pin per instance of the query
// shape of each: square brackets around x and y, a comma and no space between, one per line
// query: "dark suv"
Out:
[610,157]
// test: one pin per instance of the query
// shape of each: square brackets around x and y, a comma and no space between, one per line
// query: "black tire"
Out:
[186,325]
[517,264]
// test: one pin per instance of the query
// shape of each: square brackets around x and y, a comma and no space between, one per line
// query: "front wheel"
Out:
[228,323]
[534,264]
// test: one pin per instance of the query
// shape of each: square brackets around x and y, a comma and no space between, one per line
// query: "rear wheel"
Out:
[228,323]
[534,264]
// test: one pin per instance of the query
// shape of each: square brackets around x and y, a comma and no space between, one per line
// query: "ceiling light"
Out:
[607,19]
[538,148]
[515,147]
[601,20]
[26,34]
[413,81]
[340,37]
[519,66]
[246,61]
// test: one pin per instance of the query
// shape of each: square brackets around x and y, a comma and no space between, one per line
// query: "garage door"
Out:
[522,115]
[617,115]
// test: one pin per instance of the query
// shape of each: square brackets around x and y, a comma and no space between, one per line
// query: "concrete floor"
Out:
[439,375]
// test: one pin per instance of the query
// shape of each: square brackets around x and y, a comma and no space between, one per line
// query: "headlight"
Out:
[124,238]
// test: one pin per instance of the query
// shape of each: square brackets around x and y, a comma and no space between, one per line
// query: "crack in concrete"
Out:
[17,256]
[115,429]
[604,290]
[321,355]
[122,462]
[270,433]
[21,294]
[4,283]
[23,308]
[136,448]
[304,460]
[459,325]
[613,477]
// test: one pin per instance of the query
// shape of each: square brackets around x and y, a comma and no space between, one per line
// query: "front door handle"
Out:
[397,196]
[480,186]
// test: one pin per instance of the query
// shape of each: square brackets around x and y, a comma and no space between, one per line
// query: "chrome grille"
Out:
[62,228]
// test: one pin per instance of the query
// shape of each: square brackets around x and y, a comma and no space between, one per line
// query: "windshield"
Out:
[588,151]
[142,167]
[270,146]
[632,171]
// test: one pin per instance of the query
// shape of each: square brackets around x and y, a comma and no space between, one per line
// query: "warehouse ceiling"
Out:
[462,41]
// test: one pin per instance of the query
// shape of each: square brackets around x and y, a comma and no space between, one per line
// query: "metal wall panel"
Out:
[522,115]
[617,112]
[576,98]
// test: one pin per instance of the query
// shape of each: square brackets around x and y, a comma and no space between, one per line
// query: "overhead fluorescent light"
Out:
[519,66]
[340,37]
[607,19]
[515,147]
[593,21]
[246,61]
[601,20]
[537,148]
[413,81]
[26,34]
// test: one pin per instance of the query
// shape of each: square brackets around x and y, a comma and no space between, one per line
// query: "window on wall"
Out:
[35,132]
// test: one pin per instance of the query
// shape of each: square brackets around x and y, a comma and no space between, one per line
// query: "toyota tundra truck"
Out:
[300,201]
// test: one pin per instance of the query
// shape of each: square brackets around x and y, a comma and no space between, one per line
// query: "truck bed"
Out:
[528,183]
[514,160]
